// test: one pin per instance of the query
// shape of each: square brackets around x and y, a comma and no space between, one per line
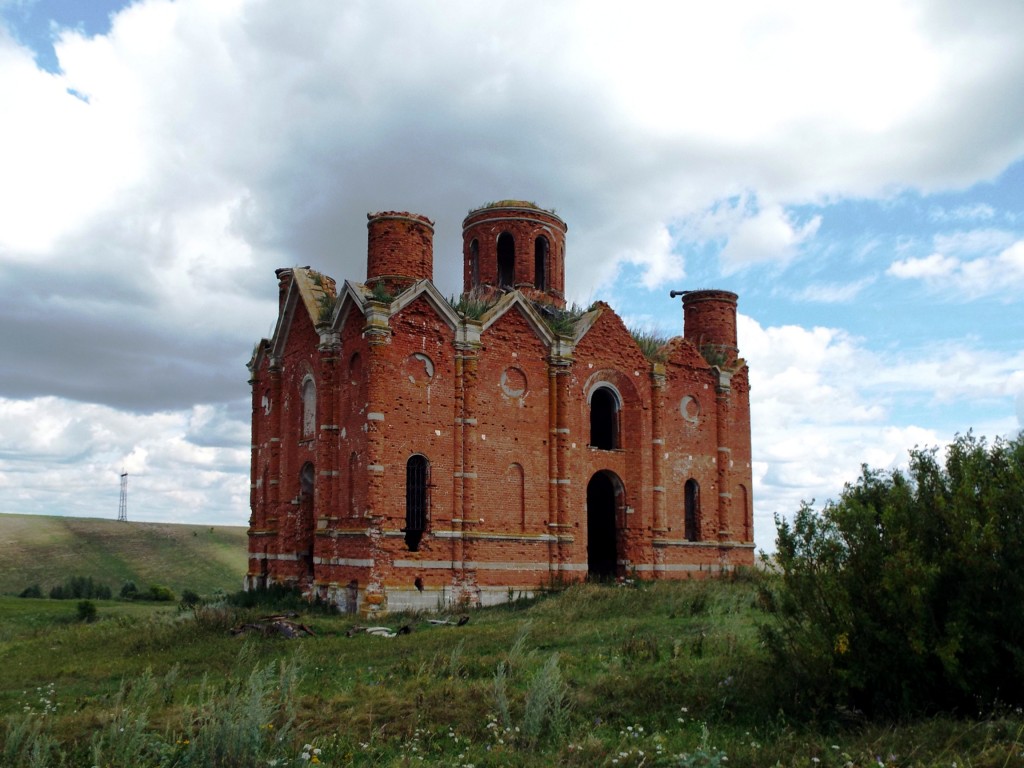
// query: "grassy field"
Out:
[648,674]
[48,550]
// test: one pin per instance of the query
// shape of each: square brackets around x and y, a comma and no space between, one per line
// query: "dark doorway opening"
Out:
[415,501]
[603,494]
[506,260]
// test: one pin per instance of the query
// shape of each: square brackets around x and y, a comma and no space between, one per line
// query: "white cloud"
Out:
[1001,274]
[834,293]
[932,266]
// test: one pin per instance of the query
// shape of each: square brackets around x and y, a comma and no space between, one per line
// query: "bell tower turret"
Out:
[513,244]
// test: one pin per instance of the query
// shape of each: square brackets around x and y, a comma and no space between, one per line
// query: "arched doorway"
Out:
[604,498]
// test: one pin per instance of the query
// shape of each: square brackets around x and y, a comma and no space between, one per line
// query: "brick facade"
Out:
[411,454]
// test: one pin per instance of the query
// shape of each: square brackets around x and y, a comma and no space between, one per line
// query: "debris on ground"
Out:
[406,629]
[380,631]
[275,625]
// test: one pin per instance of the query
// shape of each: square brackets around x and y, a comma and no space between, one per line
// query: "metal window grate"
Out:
[416,494]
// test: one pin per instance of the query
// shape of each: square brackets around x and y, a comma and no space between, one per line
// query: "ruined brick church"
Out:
[413,452]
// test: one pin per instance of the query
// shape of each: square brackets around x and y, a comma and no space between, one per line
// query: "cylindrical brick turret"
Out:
[514,244]
[400,249]
[709,321]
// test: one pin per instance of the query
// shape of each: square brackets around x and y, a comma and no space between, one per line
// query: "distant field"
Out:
[48,550]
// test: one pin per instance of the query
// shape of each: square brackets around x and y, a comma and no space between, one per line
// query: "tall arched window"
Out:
[474,264]
[692,513]
[416,512]
[604,419]
[540,264]
[308,408]
[506,260]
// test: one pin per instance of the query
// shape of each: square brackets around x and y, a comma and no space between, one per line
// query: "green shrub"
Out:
[190,599]
[158,593]
[904,595]
[87,611]
[129,591]
[33,591]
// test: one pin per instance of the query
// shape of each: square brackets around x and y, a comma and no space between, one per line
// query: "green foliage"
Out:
[905,594]
[632,693]
[129,591]
[190,599]
[86,610]
[379,292]
[325,306]
[562,322]
[651,343]
[471,306]
[79,587]
[33,591]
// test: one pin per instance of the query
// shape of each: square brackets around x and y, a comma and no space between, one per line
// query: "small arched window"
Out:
[692,510]
[474,264]
[540,264]
[506,260]
[416,510]
[604,419]
[308,408]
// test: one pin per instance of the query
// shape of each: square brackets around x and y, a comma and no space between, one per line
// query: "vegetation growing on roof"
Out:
[326,304]
[472,307]
[562,322]
[651,343]
[379,292]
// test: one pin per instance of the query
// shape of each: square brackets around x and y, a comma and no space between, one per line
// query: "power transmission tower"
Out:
[122,508]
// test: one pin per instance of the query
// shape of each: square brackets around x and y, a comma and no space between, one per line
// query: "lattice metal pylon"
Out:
[122,508]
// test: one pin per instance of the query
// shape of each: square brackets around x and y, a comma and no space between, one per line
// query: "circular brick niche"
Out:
[513,382]
[418,368]
[689,407]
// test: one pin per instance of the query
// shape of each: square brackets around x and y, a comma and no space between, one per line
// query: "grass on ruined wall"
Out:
[662,674]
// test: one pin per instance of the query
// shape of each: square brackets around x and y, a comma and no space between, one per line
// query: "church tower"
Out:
[514,244]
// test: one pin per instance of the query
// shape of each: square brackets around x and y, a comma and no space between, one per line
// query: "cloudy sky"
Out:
[854,170]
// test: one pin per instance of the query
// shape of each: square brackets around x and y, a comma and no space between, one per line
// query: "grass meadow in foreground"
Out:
[644,674]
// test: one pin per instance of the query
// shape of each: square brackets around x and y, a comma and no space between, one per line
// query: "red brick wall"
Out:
[400,245]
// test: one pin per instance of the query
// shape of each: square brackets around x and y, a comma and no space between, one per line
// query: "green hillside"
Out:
[49,550]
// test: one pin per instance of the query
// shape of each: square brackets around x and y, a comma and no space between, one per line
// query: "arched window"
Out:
[506,260]
[604,419]
[692,513]
[416,512]
[474,264]
[308,408]
[540,264]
